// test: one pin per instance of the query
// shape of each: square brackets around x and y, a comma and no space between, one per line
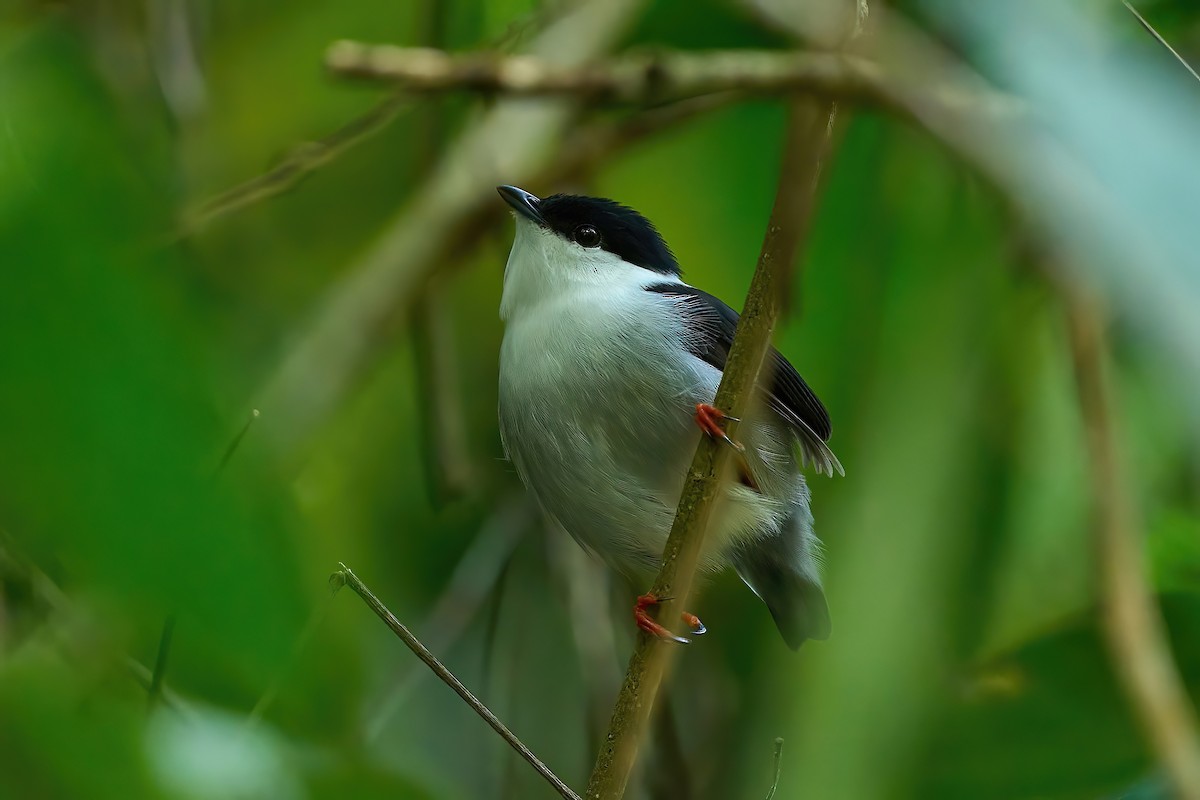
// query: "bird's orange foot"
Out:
[652,627]
[709,418]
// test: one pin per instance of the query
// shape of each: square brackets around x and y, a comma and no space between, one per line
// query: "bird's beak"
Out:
[524,203]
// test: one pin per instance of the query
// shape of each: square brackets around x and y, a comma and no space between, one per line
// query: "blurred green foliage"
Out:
[965,660]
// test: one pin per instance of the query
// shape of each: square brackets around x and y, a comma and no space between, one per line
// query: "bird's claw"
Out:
[651,626]
[709,418]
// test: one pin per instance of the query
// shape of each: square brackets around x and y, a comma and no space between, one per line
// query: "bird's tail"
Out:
[781,571]
[798,607]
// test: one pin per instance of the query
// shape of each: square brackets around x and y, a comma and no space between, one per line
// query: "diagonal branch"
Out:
[345,577]
[710,465]
[304,159]
[1159,38]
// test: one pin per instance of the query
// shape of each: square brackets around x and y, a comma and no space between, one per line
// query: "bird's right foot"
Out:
[652,627]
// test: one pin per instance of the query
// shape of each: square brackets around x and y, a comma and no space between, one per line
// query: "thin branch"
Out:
[1131,620]
[236,442]
[778,767]
[1158,36]
[345,577]
[303,159]
[704,484]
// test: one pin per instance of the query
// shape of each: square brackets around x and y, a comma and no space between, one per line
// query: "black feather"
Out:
[715,323]
[623,231]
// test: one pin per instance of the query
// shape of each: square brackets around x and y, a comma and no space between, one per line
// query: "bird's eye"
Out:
[586,236]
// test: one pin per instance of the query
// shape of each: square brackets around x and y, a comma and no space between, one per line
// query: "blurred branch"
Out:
[592,146]
[672,775]
[315,619]
[582,583]
[448,465]
[155,690]
[1159,38]
[236,442]
[303,159]
[709,466]
[655,76]
[345,577]
[1132,622]
[627,79]
[511,142]
[469,585]
[43,589]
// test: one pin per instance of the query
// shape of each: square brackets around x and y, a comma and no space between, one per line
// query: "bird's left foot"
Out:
[709,418]
[652,627]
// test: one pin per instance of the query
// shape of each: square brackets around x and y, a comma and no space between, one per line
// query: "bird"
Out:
[608,369]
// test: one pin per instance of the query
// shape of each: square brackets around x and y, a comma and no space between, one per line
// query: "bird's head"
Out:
[567,242]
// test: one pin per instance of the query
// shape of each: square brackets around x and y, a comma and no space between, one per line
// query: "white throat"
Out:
[543,267]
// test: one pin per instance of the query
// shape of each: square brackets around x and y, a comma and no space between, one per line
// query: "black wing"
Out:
[788,396]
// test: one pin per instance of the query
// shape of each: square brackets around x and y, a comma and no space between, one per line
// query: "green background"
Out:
[965,662]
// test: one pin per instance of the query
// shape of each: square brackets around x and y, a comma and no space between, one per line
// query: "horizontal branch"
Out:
[640,77]
[628,78]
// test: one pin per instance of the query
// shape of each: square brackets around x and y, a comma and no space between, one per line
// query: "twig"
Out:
[145,678]
[303,159]
[778,767]
[1131,621]
[236,442]
[509,143]
[154,691]
[592,146]
[703,484]
[345,577]
[1158,36]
